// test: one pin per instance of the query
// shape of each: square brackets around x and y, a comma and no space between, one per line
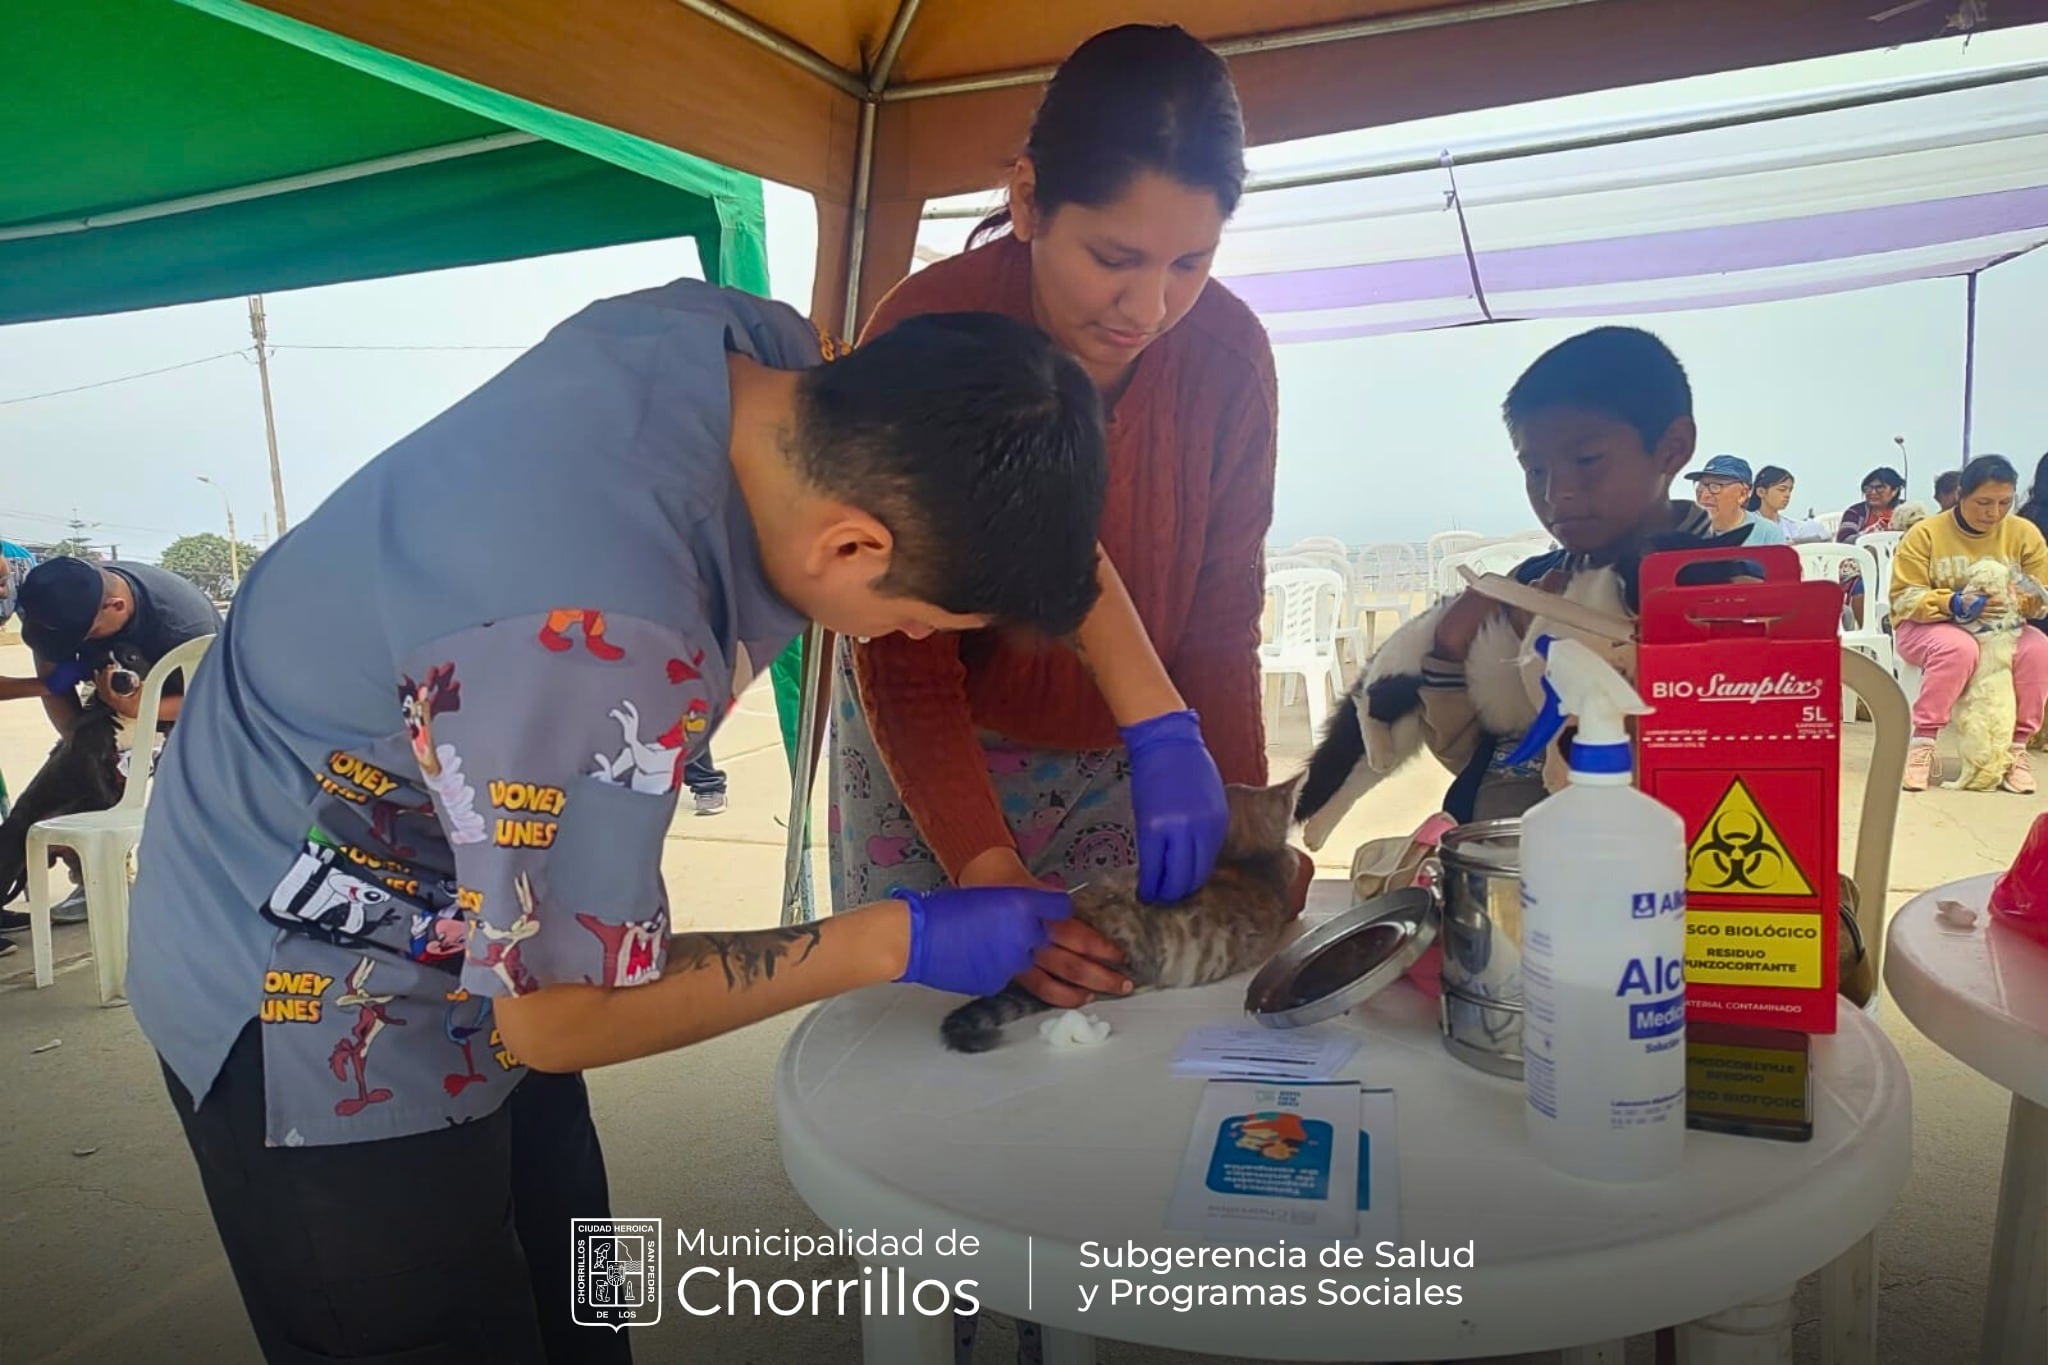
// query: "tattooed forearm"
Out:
[744,958]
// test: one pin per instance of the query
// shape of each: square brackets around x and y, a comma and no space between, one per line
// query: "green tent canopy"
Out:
[168,151]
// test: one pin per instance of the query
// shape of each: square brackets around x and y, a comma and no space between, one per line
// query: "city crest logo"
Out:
[616,1280]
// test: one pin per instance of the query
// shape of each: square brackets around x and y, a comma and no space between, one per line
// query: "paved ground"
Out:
[110,1255]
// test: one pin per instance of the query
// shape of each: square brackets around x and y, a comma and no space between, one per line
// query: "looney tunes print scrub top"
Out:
[432,758]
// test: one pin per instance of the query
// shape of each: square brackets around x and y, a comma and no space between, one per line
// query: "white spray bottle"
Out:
[1603,951]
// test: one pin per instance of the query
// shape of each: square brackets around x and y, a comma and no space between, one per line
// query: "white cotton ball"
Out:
[1073,1028]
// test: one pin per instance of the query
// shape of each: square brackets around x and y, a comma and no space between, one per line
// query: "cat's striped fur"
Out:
[1233,923]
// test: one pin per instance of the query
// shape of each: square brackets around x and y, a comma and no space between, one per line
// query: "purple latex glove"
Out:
[1177,797]
[67,676]
[974,939]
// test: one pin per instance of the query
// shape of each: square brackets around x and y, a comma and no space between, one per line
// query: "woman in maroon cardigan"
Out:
[986,759]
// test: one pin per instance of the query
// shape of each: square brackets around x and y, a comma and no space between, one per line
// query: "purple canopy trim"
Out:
[1688,252]
[1506,310]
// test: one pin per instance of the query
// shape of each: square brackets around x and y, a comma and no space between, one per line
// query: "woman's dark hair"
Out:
[1770,476]
[1138,98]
[1988,469]
[1889,477]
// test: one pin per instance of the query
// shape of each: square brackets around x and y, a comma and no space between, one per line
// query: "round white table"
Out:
[1980,994]
[1035,1152]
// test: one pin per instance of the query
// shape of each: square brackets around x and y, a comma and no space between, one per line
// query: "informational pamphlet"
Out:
[1271,1160]
[1253,1052]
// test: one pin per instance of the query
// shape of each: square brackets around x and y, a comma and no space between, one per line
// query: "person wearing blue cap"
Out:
[74,614]
[1722,487]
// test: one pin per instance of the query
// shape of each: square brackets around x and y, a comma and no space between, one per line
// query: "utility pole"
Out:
[234,550]
[258,330]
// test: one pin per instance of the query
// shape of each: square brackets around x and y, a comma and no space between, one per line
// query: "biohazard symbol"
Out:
[1738,852]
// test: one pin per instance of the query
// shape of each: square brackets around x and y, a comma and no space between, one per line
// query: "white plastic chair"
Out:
[1316,553]
[1319,545]
[1498,557]
[1824,562]
[1878,599]
[1442,546]
[103,841]
[1323,558]
[1877,593]
[1382,580]
[1302,607]
[1832,521]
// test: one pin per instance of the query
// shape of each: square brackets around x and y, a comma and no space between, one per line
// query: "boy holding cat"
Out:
[1602,425]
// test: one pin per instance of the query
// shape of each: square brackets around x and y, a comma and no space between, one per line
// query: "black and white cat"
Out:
[1378,726]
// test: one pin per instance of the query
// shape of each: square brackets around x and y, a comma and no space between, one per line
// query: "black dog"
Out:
[82,773]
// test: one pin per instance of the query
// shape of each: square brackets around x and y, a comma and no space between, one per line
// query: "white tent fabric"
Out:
[1933,185]
[1771,207]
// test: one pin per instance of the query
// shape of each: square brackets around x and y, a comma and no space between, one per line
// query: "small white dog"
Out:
[1987,710]
[1908,515]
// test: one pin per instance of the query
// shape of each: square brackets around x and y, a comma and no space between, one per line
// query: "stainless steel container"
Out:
[1472,909]
[1480,894]
[1343,961]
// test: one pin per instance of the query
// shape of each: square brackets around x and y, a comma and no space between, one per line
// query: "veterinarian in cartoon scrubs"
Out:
[1934,609]
[402,881]
[989,758]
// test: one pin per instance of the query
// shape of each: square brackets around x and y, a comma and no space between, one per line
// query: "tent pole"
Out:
[267,189]
[818,642]
[1465,239]
[1263,42]
[784,47]
[1969,359]
[1747,115]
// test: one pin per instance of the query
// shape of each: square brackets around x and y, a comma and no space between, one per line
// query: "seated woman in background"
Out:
[1933,608]
[1771,494]
[1882,489]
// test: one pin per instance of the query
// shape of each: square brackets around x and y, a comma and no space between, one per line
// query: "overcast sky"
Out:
[1381,438]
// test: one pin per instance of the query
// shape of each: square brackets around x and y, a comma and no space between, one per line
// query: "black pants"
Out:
[448,1246]
[700,777]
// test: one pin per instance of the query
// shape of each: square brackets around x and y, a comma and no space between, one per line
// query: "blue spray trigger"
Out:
[1549,720]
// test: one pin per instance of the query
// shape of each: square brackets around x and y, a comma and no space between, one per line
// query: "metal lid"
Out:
[1486,846]
[1343,961]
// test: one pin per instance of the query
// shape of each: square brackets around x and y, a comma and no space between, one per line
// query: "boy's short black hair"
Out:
[1621,372]
[979,445]
[1948,483]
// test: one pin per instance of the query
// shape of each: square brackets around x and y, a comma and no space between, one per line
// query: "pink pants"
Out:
[1947,656]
